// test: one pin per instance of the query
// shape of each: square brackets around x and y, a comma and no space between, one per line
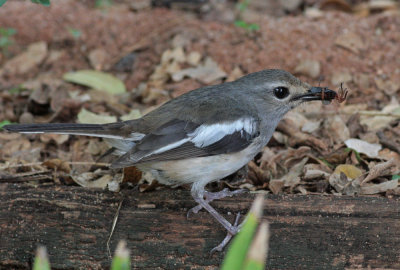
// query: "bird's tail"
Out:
[112,131]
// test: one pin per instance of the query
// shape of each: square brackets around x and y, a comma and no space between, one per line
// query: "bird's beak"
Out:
[317,93]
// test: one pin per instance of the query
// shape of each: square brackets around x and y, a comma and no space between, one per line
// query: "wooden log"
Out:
[307,232]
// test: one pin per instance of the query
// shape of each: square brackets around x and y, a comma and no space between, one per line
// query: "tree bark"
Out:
[307,232]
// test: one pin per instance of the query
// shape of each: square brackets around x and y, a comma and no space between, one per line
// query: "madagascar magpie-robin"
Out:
[201,136]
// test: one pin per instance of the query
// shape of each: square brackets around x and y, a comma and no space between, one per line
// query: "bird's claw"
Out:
[211,196]
[228,236]
[194,210]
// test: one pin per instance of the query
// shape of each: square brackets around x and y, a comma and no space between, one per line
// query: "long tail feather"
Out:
[95,130]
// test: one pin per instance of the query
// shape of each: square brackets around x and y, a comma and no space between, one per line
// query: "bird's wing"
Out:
[180,139]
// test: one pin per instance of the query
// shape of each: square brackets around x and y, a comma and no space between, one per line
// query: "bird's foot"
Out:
[211,196]
[235,229]
[202,197]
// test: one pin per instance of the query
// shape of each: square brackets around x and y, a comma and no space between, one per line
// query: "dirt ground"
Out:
[162,49]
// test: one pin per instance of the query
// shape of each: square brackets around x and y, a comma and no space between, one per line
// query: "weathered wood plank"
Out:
[308,232]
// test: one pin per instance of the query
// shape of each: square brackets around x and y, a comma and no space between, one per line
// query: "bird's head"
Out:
[279,91]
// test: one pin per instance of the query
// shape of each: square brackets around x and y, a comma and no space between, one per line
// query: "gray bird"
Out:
[203,135]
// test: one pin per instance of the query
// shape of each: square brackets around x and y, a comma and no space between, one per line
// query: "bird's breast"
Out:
[204,169]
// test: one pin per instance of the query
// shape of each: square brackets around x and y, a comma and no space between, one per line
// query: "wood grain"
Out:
[308,232]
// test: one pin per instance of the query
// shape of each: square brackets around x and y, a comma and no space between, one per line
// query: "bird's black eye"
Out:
[281,92]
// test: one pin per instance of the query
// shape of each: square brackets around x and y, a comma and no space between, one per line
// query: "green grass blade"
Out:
[41,260]
[257,256]
[121,260]
[235,258]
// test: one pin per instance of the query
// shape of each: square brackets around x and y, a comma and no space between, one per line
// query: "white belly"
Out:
[200,169]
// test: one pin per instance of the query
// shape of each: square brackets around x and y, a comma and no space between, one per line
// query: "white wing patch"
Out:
[206,135]
[169,146]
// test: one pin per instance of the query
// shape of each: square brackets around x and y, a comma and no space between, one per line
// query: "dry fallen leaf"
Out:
[379,170]
[345,179]
[24,62]
[296,137]
[175,55]
[131,175]
[58,164]
[133,114]
[379,188]
[344,185]
[292,178]
[98,179]
[376,120]
[314,171]
[96,80]
[57,138]
[351,171]
[12,148]
[341,77]
[369,149]
[235,74]
[313,13]
[98,58]
[276,185]
[311,126]
[336,129]
[310,68]
[144,187]
[193,58]
[41,95]
[381,5]
[205,73]
[390,87]
[87,117]
[350,41]
[341,5]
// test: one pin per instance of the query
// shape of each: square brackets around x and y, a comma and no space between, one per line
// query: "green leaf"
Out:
[42,2]
[6,32]
[237,251]
[242,6]
[41,260]
[103,3]
[396,177]
[11,31]
[253,27]
[240,23]
[2,2]
[327,163]
[5,42]
[358,157]
[17,89]
[96,80]
[254,265]
[257,255]
[121,260]
[75,33]
[247,26]
[3,123]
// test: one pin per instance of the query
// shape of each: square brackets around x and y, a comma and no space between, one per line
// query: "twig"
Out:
[113,228]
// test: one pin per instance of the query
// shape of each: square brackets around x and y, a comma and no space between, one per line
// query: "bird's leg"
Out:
[210,196]
[198,195]
[228,236]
